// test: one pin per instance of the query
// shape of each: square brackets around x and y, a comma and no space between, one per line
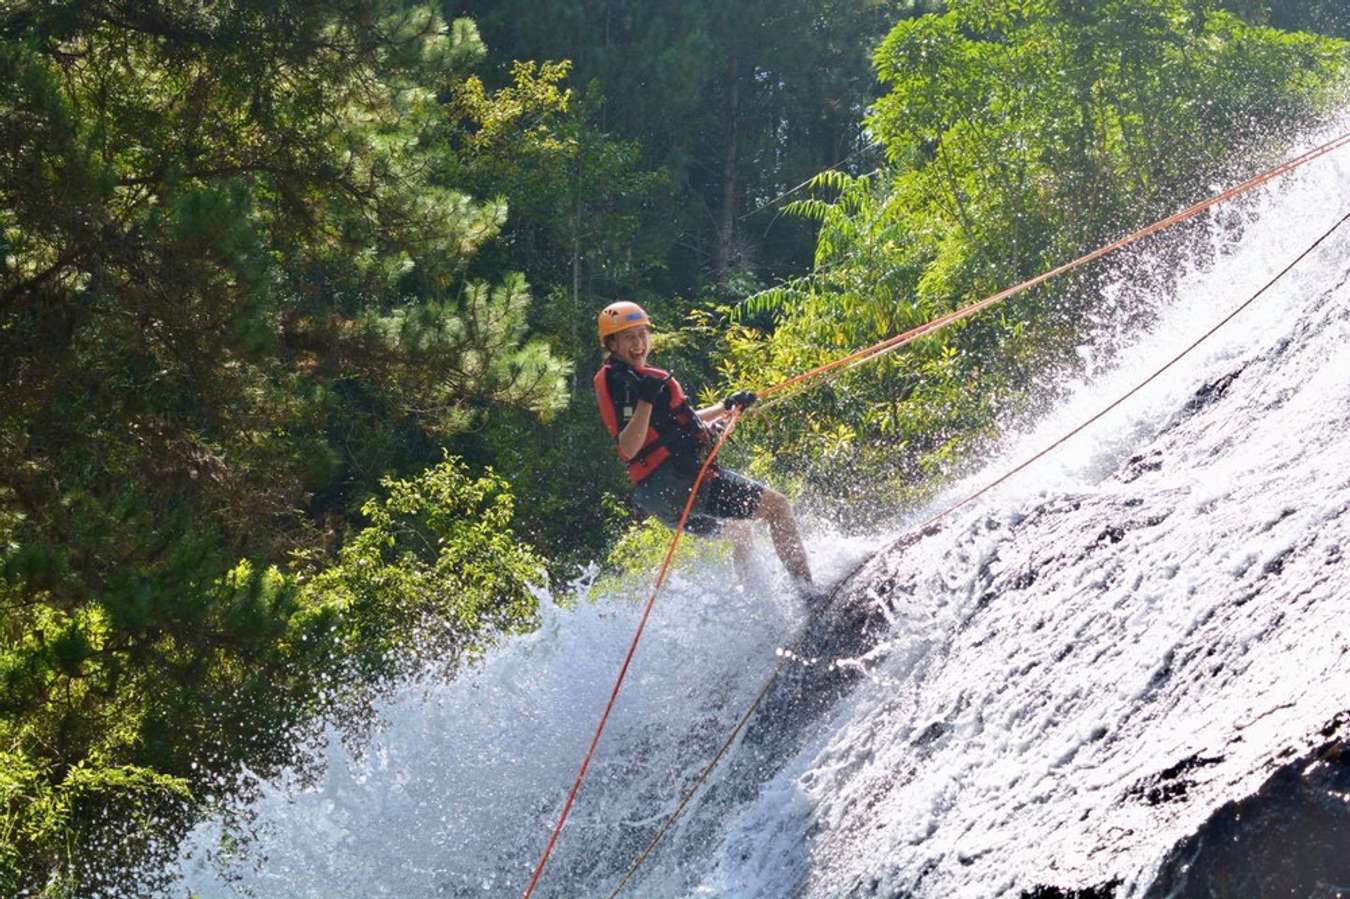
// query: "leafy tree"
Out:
[691,120]
[238,286]
[735,102]
[119,728]
[579,204]
[1018,135]
[435,575]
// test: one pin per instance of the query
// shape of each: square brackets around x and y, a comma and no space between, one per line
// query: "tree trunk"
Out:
[576,270]
[724,252]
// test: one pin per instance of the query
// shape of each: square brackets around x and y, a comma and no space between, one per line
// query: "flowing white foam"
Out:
[1004,756]
[994,740]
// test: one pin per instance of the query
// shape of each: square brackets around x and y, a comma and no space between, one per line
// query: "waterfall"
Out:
[1077,675]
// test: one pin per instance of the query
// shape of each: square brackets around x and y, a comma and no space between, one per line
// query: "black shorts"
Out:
[724,495]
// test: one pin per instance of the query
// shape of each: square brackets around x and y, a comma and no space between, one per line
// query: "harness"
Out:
[676,433]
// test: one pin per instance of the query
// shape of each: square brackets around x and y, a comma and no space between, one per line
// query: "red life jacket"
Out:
[676,432]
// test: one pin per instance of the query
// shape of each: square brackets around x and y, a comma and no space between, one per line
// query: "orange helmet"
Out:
[621,316]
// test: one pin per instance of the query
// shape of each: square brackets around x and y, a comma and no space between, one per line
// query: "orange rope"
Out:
[858,357]
[899,340]
[632,647]
[927,528]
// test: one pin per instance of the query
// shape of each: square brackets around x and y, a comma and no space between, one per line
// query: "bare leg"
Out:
[741,534]
[775,510]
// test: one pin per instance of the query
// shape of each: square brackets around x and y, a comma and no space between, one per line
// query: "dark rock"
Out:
[1170,784]
[1113,533]
[1103,891]
[1210,393]
[1291,838]
[808,682]
[1137,466]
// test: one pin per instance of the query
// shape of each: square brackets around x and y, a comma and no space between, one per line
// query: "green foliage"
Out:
[1019,135]
[243,278]
[122,717]
[435,575]
[734,102]
[634,559]
[237,266]
[584,210]
[44,826]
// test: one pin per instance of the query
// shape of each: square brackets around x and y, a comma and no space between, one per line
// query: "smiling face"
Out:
[631,346]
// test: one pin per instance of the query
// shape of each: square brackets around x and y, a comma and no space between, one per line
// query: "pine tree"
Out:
[240,283]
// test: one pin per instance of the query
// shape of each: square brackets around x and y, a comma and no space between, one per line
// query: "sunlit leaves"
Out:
[1019,135]
[237,287]
[37,815]
[433,576]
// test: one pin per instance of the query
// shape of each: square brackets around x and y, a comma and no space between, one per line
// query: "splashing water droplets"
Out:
[1062,684]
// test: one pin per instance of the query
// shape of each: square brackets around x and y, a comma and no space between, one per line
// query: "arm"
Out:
[635,432]
[741,399]
[712,414]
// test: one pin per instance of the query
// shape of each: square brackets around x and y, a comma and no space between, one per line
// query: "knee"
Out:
[738,532]
[774,506]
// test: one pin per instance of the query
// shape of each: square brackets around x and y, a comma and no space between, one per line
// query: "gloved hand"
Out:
[743,398]
[649,388]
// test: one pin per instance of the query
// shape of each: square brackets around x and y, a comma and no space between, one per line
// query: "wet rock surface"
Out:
[1290,838]
[1111,677]
[850,623]
[1105,891]
[1079,685]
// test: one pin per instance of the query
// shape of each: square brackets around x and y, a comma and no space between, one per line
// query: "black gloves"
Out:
[743,398]
[649,388]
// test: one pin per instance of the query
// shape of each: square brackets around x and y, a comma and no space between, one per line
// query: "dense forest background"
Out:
[297,309]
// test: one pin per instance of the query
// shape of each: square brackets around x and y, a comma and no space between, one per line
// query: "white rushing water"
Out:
[1072,635]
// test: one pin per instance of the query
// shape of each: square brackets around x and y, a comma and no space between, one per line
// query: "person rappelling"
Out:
[662,440]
